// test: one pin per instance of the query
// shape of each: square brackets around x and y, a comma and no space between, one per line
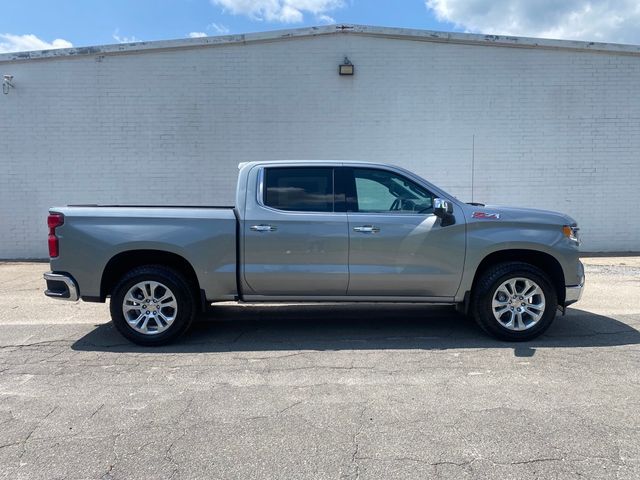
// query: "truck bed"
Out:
[94,235]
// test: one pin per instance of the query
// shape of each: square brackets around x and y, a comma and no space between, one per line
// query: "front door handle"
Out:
[366,229]
[263,228]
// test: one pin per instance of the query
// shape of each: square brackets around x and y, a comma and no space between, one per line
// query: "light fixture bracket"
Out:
[346,67]
[7,83]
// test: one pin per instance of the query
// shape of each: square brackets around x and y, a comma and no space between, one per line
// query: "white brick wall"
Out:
[556,129]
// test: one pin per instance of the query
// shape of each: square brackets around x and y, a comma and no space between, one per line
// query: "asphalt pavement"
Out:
[320,391]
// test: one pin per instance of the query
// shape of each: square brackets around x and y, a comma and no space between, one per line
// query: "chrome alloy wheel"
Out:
[518,304]
[149,307]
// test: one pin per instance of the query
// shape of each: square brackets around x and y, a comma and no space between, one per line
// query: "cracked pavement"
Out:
[320,391]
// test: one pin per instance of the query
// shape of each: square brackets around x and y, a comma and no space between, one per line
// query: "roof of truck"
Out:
[319,162]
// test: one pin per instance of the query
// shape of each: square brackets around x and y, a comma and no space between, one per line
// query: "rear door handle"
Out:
[263,228]
[366,229]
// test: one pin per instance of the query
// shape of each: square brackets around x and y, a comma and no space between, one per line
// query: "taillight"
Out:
[53,221]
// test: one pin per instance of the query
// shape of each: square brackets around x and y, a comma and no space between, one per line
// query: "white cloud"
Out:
[23,43]
[284,11]
[596,20]
[122,39]
[325,18]
[218,28]
[197,34]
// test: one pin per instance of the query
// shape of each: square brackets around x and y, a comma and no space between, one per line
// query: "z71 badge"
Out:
[486,215]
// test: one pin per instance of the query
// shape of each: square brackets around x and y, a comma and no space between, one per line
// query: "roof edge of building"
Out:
[275,35]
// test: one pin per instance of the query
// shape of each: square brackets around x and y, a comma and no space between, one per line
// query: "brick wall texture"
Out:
[552,129]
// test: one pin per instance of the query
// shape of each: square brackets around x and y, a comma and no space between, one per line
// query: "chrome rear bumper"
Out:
[61,286]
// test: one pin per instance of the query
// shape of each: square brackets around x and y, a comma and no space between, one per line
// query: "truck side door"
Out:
[295,243]
[398,247]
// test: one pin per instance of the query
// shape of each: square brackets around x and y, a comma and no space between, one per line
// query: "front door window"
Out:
[380,191]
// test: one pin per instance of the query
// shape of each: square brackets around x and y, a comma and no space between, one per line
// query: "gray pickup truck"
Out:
[317,232]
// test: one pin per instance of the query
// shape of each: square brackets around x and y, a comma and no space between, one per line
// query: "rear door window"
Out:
[299,189]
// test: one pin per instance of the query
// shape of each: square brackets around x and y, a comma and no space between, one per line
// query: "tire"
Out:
[168,301]
[498,289]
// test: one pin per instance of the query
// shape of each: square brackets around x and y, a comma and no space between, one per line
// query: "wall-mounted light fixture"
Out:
[346,68]
[7,83]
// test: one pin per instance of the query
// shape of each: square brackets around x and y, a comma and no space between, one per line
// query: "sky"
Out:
[43,24]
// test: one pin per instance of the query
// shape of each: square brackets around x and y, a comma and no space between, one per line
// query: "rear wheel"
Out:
[152,305]
[514,301]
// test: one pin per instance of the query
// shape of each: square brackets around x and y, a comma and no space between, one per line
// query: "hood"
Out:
[532,215]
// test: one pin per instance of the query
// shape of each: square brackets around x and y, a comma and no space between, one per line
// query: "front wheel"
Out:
[152,305]
[514,301]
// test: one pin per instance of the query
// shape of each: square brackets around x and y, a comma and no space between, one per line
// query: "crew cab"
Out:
[317,231]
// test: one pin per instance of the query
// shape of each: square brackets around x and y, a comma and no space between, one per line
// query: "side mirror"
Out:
[443,209]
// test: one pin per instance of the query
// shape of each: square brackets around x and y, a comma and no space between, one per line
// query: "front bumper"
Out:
[573,293]
[61,286]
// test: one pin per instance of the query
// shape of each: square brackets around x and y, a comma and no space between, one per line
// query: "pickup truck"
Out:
[317,231]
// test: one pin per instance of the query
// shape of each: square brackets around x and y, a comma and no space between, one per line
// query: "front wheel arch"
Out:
[489,283]
[541,260]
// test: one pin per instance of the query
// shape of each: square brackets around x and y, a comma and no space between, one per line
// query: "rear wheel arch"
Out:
[152,305]
[122,263]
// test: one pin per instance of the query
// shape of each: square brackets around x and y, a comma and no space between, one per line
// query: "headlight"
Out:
[571,232]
